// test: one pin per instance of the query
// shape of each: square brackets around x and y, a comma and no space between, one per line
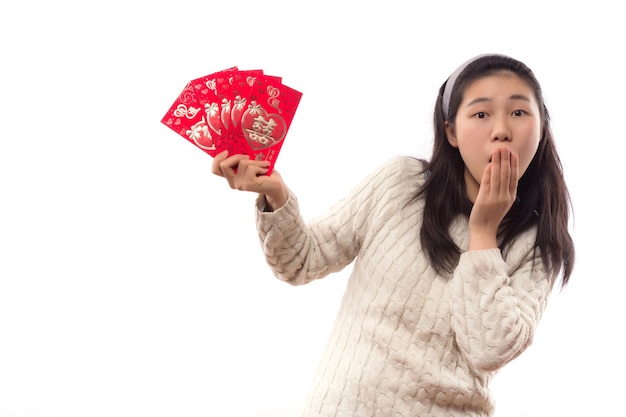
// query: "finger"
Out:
[496,164]
[229,166]
[487,176]
[514,174]
[248,175]
[505,171]
[485,182]
[217,160]
[255,178]
[248,169]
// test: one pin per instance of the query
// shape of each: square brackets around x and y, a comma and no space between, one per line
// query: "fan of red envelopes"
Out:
[244,112]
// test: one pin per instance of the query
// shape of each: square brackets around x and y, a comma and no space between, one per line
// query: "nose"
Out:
[500,131]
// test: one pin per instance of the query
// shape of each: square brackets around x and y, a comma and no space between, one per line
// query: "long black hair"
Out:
[543,198]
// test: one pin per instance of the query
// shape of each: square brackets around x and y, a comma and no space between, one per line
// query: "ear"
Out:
[451,136]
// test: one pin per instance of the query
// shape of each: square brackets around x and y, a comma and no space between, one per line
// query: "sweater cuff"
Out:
[486,258]
[477,265]
[266,219]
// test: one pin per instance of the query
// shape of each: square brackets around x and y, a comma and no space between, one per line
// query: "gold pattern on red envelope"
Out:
[244,112]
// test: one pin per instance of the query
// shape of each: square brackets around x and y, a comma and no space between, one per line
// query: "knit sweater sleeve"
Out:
[299,252]
[496,305]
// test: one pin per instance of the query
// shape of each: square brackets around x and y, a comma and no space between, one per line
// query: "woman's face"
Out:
[497,110]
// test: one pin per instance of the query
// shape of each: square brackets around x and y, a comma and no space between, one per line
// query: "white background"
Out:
[131,279]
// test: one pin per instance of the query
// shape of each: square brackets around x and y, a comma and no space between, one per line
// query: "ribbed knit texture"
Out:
[407,341]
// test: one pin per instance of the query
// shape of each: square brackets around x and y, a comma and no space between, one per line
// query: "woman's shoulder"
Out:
[402,167]
[399,177]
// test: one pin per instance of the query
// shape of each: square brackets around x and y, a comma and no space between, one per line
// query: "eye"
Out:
[480,115]
[519,113]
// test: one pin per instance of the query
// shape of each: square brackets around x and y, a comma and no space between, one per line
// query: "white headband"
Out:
[447,92]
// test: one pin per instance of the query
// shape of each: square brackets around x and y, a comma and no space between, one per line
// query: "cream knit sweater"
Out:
[407,341]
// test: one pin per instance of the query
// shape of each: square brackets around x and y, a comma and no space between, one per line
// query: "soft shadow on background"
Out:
[131,279]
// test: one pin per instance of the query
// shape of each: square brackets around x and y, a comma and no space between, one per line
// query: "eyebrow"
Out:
[483,99]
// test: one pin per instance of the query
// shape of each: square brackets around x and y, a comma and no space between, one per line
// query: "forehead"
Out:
[501,82]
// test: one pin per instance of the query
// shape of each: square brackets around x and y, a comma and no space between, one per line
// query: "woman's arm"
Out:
[297,252]
[496,305]
[300,252]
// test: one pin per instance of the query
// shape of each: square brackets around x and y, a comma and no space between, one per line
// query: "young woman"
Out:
[455,257]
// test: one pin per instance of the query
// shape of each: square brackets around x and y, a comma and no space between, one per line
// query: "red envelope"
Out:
[267,119]
[210,99]
[187,119]
[191,118]
[244,112]
[233,89]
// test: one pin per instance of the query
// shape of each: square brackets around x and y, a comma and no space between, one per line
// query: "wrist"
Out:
[276,200]
[483,239]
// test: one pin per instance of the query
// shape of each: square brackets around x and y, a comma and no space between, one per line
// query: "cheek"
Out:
[472,131]
[528,151]
[475,160]
[524,162]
